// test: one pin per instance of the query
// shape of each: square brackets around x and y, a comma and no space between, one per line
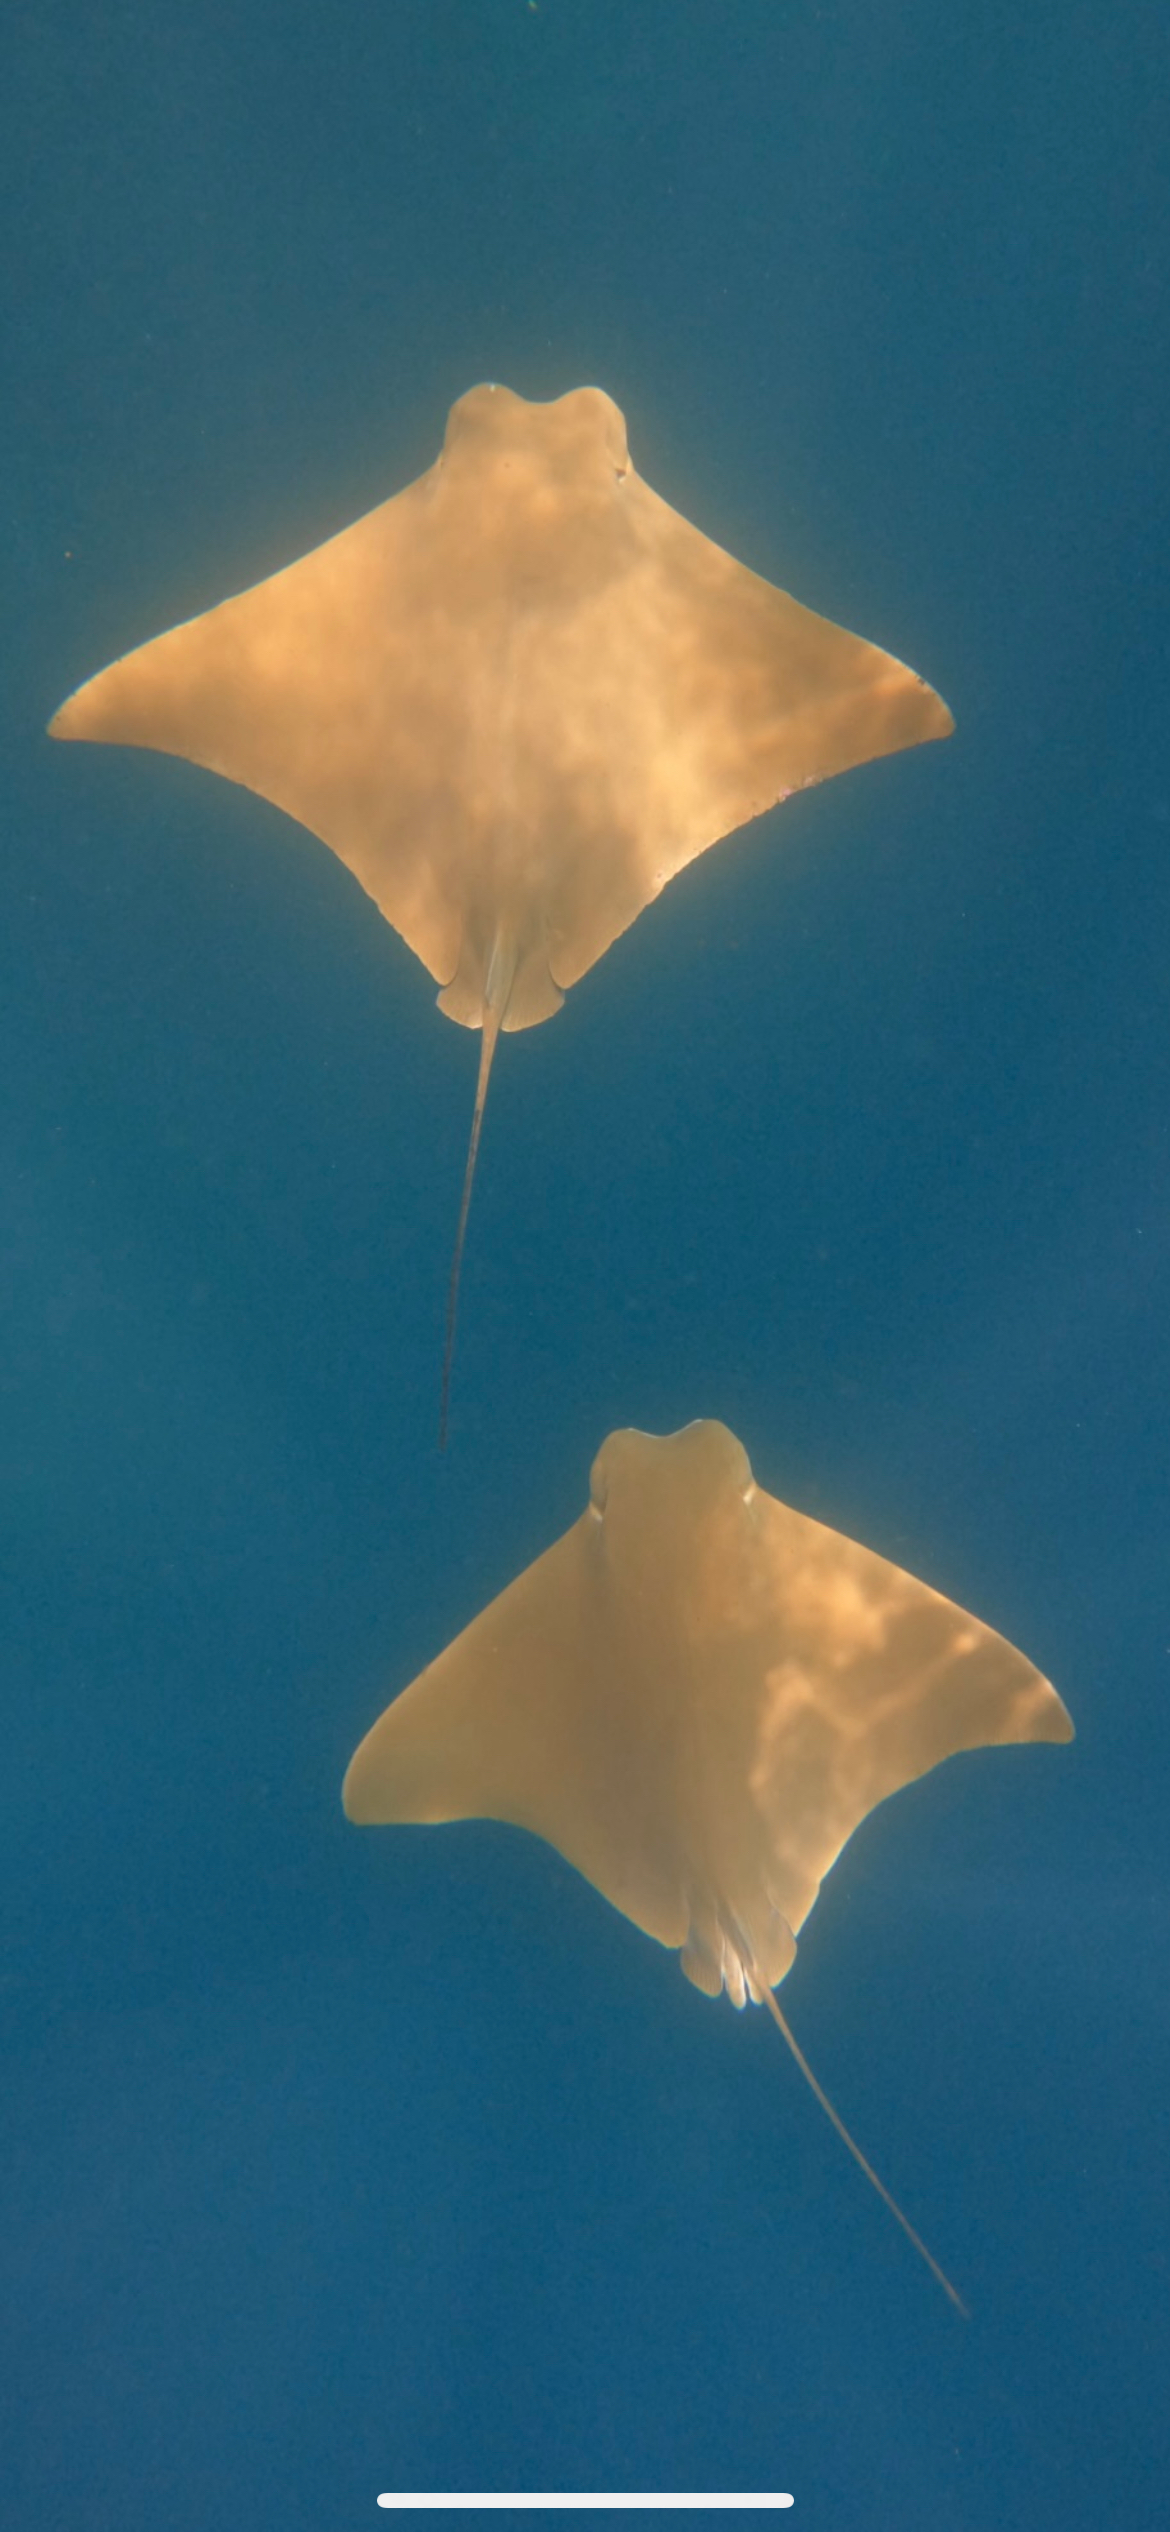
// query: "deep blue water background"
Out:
[334,2162]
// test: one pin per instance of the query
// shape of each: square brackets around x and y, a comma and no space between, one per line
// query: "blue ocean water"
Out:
[337,2162]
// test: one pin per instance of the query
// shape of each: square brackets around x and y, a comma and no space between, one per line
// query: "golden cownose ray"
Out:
[696,1695]
[515,700]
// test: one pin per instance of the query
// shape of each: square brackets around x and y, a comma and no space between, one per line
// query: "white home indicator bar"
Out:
[713,2503]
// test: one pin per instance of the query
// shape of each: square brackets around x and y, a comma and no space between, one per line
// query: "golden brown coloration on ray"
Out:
[697,1694]
[515,699]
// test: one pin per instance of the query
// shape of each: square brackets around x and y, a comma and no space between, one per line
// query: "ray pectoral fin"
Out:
[501,970]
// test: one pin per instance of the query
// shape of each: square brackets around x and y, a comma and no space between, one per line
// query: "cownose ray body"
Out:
[696,1695]
[515,699]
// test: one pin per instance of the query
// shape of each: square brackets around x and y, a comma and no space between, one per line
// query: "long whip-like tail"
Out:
[767,1997]
[493,1014]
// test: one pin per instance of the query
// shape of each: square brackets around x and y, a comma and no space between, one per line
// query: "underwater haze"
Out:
[339,2161]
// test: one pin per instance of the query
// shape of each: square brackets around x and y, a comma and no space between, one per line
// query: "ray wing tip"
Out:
[68,721]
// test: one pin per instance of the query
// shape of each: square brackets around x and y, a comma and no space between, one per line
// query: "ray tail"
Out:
[499,986]
[766,1997]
